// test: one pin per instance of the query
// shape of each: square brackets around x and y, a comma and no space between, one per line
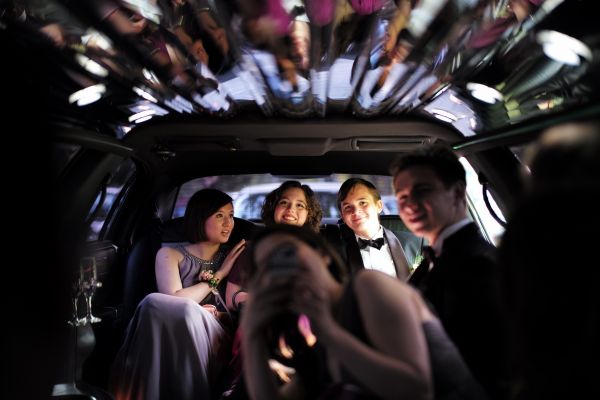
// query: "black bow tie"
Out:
[429,254]
[377,243]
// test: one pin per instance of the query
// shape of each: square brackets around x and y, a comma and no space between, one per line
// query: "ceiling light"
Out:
[143,119]
[137,116]
[151,76]
[88,95]
[91,65]
[144,94]
[484,93]
[563,48]
[444,115]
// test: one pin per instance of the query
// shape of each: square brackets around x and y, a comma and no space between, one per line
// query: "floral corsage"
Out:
[208,276]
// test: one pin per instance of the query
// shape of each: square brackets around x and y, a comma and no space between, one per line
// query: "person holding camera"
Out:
[368,337]
[291,203]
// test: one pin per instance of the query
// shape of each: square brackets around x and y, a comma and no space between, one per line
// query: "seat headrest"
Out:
[172,230]
[393,223]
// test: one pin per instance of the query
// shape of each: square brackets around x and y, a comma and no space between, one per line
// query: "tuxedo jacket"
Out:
[351,252]
[463,289]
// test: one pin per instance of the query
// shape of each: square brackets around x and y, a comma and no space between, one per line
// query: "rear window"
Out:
[249,192]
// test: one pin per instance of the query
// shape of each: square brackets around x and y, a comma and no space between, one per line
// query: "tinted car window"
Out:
[249,191]
[122,174]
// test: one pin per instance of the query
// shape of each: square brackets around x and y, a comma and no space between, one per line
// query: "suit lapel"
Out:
[402,270]
[353,257]
[418,276]
[453,250]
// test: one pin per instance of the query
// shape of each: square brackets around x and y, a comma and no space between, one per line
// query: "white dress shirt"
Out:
[378,259]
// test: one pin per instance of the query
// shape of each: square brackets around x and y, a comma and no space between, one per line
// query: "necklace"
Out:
[201,260]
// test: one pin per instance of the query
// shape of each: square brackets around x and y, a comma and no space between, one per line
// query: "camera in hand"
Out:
[282,264]
[283,261]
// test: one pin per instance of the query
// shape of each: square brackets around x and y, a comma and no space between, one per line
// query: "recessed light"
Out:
[563,48]
[88,95]
[140,115]
[144,94]
[443,115]
[484,93]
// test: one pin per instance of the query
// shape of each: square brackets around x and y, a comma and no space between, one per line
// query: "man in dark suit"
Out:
[459,275]
[367,244]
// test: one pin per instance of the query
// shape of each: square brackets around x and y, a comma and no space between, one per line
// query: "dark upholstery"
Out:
[333,235]
[393,223]
[139,274]
[411,244]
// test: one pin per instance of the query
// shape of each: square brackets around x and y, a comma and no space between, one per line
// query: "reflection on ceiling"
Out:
[475,65]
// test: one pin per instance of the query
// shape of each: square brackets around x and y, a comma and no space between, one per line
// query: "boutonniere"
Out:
[417,261]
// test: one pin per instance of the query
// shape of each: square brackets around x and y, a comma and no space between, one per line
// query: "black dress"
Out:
[451,377]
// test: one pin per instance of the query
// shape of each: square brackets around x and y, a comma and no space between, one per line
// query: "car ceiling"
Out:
[441,49]
[204,127]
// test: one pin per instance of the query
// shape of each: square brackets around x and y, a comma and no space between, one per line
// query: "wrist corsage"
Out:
[209,277]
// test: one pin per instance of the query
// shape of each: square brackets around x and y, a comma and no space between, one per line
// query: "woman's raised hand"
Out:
[231,257]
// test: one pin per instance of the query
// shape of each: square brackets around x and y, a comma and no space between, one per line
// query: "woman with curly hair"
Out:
[291,203]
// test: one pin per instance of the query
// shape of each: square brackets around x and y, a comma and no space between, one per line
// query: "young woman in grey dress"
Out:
[175,346]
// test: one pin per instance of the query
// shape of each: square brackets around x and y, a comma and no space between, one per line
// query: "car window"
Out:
[479,211]
[118,180]
[62,154]
[249,191]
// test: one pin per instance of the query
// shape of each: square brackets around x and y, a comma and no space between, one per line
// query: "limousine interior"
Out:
[114,116]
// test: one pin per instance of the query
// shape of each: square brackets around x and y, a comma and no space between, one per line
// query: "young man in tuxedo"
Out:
[366,243]
[459,275]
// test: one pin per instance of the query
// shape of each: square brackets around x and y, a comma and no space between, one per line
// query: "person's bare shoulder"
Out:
[376,289]
[167,253]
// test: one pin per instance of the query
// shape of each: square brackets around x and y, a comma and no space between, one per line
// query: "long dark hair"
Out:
[200,207]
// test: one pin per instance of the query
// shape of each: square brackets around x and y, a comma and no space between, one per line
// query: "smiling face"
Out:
[218,226]
[360,211]
[292,208]
[425,205]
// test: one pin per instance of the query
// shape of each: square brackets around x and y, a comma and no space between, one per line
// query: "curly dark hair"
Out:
[200,207]
[315,212]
